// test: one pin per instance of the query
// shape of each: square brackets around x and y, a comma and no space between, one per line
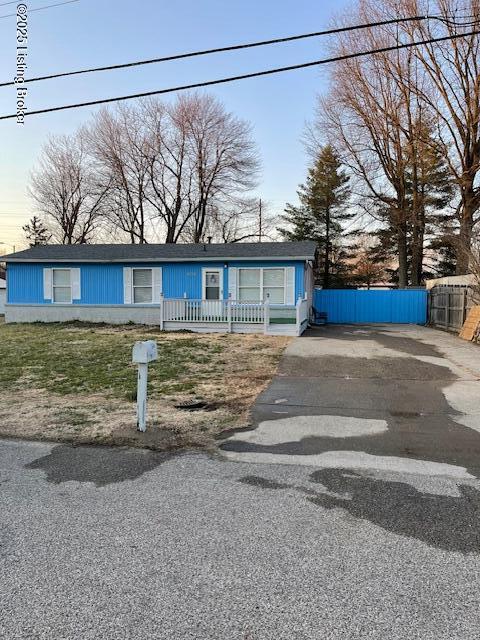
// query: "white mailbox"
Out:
[144,352]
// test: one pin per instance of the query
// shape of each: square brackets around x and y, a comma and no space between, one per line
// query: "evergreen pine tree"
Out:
[36,232]
[322,210]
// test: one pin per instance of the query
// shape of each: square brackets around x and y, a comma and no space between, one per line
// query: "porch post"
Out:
[229,313]
[297,309]
[161,312]
[266,314]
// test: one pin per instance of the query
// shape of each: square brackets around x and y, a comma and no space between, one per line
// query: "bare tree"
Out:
[118,143]
[471,255]
[66,192]
[171,186]
[225,159]
[453,94]
[169,165]
[240,220]
[389,134]
[365,115]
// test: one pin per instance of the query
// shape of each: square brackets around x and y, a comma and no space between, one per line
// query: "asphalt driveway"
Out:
[357,516]
[381,397]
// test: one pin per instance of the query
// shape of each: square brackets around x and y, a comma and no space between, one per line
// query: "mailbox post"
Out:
[143,353]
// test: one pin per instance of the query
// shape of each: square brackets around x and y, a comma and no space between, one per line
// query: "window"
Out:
[142,286]
[274,285]
[62,285]
[212,285]
[249,285]
[256,284]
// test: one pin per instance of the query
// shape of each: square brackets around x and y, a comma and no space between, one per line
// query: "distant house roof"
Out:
[468,279]
[3,283]
[165,252]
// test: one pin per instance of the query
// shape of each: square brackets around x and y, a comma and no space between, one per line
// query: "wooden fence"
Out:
[448,306]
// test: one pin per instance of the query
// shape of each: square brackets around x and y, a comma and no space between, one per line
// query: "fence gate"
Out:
[351,306]
[449,305]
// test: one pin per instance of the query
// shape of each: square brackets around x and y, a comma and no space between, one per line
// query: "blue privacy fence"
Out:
[349,306]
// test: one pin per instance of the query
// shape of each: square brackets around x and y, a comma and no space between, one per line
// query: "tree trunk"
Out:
[466,231]
[326,275]
[170,238]
[418,235]
[402,257]
[418,222]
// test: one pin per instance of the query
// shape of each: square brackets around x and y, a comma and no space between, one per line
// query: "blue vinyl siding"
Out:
[103,283]
[25,283]
[399,306]
[185,278]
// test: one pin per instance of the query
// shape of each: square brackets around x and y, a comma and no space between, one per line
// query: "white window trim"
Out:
[262,286]
[61,287]
[139,287]
[206,270]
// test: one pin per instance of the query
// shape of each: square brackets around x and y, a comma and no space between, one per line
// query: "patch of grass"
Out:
[283,321]
[76,379]
[70,358]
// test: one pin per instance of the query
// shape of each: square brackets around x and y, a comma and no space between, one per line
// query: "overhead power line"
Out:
[236,47]
[245,76]
[47,6]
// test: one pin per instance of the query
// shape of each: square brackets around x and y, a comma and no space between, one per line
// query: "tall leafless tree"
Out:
[365,115]
[66,192]
[169,165]
[224,156]
[453,67]
[118,143]
[386,111]
[171,184]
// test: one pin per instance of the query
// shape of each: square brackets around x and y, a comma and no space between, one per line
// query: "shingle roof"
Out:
[164,252]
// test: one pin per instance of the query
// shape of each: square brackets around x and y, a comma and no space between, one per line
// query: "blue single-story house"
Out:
[236,287]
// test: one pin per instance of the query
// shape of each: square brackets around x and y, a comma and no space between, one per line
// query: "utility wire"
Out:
[245,76]
[237,47]
[47,6]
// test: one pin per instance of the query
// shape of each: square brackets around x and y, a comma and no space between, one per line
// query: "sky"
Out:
[102,32]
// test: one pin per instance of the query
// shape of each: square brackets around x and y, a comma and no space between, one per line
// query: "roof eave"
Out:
[203,259]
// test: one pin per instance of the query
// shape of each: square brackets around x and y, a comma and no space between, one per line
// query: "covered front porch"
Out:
[233,316]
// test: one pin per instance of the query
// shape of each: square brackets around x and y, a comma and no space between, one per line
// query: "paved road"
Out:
[368,542]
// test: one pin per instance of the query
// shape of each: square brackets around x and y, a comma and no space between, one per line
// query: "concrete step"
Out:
[282,330]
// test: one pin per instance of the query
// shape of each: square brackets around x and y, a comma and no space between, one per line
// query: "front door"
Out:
[212,293]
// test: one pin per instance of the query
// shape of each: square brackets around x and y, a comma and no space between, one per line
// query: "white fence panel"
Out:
[232,312]
[183,310]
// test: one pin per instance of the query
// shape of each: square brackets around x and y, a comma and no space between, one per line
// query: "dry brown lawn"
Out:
[75,383]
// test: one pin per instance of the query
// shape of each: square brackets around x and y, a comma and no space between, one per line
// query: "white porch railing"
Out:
[303,314]
[187,311]
[212,311]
